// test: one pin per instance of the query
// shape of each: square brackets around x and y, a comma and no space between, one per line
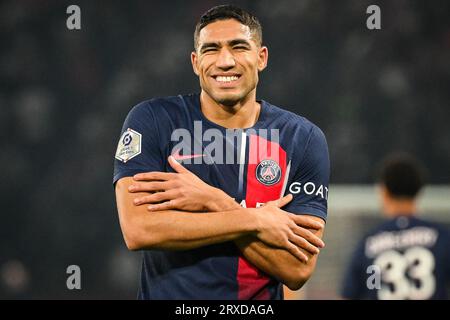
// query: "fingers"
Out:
[164,176]
[284,201]
[279,202]
[302,243]
[168,205]
[178,167]
[149,186]
[308,236]
[154,175]
[306,222]
[296,252]
[155,197]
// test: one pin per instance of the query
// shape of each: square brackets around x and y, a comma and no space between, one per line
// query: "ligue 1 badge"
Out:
[129,145]
[268,172]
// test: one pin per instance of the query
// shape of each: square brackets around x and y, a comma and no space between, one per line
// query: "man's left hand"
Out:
[182,190]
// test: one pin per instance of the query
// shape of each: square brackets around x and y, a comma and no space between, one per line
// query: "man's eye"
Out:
[209,50]
[240,48]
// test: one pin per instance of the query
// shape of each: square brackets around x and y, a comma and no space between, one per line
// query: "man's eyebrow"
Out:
[238,41]
[231,43]
[209,45]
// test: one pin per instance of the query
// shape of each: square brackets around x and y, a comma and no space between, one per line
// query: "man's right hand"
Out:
[282,229]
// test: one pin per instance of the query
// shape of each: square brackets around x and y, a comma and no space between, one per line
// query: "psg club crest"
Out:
[268,172]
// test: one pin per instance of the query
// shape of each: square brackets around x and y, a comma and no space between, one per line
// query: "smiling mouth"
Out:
[226,79]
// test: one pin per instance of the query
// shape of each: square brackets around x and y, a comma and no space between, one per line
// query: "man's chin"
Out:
[229,100]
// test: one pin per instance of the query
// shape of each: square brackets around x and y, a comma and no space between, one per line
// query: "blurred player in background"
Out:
[413,255]
[216,229]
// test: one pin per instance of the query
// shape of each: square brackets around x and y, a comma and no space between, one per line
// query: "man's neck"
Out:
[400,207]
[244,114]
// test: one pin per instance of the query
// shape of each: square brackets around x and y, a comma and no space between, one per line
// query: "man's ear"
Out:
[194,60]
[263,57]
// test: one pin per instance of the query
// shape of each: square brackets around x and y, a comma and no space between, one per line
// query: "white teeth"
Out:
[226,79]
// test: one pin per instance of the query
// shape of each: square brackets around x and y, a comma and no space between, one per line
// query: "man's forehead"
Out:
[224,31]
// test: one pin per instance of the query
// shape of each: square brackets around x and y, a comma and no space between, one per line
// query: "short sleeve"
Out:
[138,149]
[309,185]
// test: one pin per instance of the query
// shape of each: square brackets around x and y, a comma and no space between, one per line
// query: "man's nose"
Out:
[225,60]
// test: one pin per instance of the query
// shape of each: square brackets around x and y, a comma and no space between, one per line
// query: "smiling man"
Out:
[201,179]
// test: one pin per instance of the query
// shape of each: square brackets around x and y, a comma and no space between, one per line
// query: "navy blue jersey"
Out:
[411,258]
[281,153]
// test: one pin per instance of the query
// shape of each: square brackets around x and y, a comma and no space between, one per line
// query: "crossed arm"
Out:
[280,263]
[279,243]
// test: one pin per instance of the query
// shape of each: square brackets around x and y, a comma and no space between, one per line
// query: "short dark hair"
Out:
[402,175]
[228,11]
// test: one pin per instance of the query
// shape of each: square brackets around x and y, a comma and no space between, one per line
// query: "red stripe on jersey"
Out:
[251,281]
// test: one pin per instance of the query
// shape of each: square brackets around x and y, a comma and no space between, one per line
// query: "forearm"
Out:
[276,262]
[178,230]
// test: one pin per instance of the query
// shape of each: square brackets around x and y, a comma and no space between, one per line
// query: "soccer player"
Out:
[405,257]
[200,179]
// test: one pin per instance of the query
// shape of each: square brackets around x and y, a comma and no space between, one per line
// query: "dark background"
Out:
[64,95]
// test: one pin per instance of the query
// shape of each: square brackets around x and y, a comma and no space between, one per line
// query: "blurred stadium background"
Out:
[64,95]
